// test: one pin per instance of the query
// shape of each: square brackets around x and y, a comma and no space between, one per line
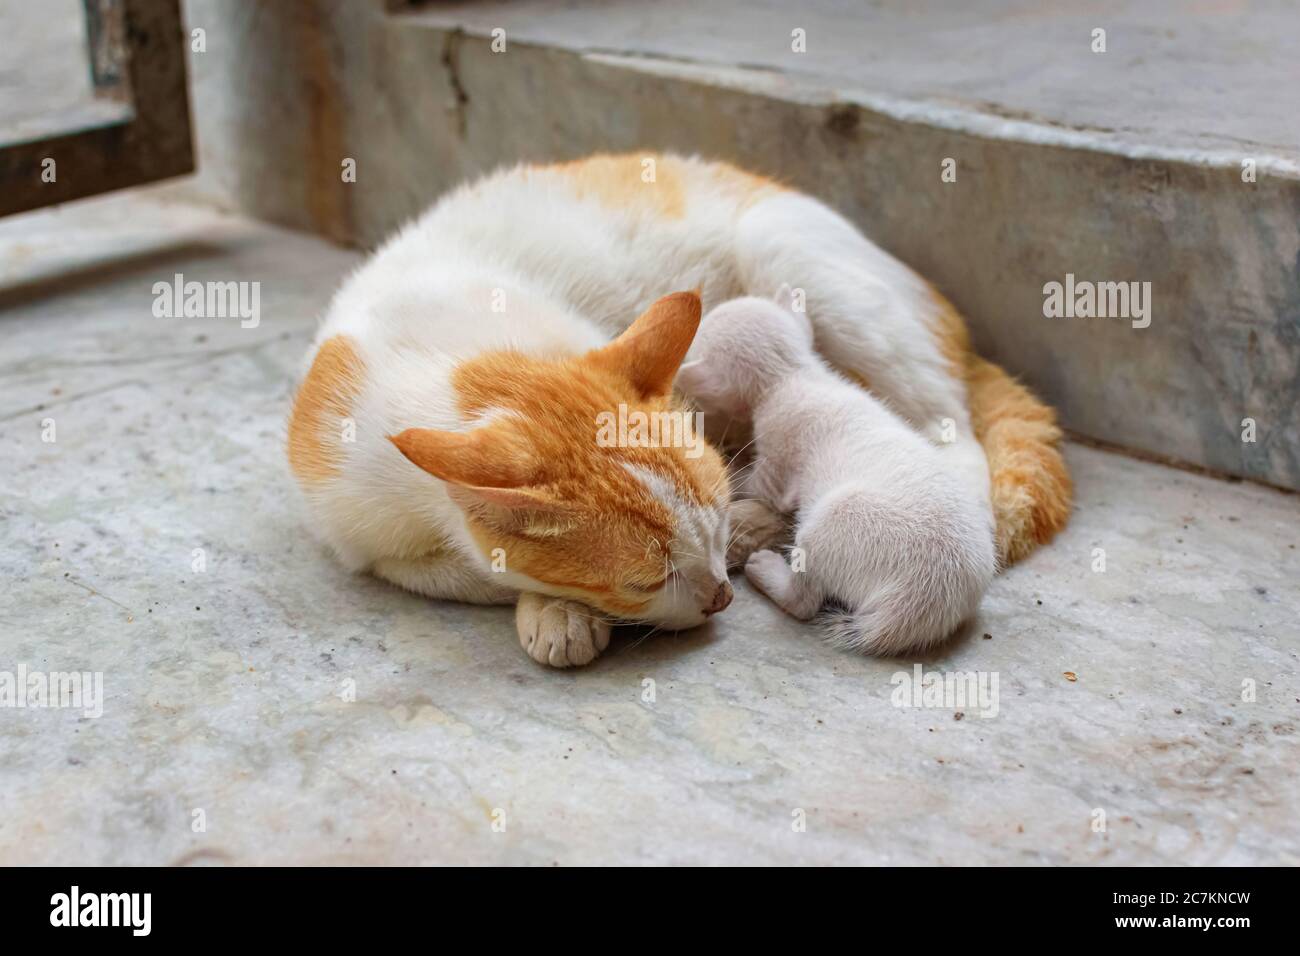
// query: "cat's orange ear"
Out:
[652,348]
[486,457]
[488,476]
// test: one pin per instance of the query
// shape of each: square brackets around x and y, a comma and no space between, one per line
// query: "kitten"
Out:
[486,335]
[885,527]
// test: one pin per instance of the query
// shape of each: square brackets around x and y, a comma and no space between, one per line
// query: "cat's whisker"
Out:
[743,448]
[741,469]
[736,532]
[642,639]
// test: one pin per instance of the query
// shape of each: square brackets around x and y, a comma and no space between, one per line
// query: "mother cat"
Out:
[476,345]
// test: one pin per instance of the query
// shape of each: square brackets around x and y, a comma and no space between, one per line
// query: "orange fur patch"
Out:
[951,332]
[324,399]
[1030,485]
[620,182]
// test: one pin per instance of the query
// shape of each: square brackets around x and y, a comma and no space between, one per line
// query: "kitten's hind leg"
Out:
[790,590]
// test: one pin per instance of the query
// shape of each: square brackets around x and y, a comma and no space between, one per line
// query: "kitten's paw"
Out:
[768,572]
[754,526]
[559,633]
[788,589]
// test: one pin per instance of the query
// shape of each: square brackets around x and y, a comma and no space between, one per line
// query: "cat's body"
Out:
[513,279]
[885,527]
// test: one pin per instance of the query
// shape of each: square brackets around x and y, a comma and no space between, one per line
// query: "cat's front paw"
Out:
[754,527]
[559,633]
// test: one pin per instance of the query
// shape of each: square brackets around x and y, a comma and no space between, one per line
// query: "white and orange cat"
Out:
[445,434]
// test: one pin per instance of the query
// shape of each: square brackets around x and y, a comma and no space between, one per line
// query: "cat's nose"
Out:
[721,598]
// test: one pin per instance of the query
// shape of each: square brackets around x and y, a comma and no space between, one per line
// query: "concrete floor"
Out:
[225,735]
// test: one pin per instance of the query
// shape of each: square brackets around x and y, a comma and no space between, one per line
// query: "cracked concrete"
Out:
[449,60]
[262,706]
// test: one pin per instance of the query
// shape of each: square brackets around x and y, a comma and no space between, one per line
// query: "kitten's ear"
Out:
[650,351]
[690,376]
[487,476]
[698,383]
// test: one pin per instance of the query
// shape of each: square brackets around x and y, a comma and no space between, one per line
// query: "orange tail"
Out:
[1030,487]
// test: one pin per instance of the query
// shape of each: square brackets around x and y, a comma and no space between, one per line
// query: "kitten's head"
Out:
[744,347]
[583,478]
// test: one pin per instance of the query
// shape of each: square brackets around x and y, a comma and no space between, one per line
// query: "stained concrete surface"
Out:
[1124,695]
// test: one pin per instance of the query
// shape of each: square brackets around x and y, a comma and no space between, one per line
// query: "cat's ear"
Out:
[486,457]
[488,476]
[649,352]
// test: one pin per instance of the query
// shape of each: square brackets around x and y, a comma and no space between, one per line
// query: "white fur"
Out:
[571,273]
[885,525]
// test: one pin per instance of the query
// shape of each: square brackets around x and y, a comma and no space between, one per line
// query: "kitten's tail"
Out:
[874,631]
[893,623]
[1029,484]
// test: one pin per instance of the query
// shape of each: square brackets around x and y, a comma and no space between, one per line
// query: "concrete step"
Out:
[1146,660]
[1072,166]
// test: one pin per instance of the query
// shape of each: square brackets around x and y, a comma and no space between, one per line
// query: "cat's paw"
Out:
[754,527]
[559,633]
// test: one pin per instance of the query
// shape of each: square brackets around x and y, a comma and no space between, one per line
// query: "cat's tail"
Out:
[1029,484]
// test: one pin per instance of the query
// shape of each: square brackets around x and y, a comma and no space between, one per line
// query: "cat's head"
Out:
[744,347]
[583,478]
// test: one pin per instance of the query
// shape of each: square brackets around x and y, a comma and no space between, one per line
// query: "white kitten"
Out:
[885,526]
